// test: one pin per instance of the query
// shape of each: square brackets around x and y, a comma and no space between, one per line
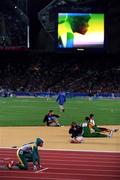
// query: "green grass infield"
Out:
[30,111]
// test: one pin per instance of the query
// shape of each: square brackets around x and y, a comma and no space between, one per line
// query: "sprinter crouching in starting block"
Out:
[27,153]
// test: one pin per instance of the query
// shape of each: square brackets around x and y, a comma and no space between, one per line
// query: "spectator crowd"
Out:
[45,74]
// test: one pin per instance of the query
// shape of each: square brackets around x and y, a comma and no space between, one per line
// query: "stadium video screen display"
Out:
[80,30]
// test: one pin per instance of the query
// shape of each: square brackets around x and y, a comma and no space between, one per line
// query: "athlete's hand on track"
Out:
[40,166]
[35,168]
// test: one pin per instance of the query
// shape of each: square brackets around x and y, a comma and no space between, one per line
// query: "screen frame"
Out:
[85,10]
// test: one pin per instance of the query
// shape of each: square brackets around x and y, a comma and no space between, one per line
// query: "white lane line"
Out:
[69,150]
[41,170]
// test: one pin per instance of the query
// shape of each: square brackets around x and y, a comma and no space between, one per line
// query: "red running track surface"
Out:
[66,165]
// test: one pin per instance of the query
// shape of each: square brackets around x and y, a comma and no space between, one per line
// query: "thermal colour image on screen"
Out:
[80,30]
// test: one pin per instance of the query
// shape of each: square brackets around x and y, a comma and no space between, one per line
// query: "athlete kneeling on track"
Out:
[27,153]
[76,132]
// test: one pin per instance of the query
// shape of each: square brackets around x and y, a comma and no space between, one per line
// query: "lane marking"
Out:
[41,170]
[69,150]
[3,168]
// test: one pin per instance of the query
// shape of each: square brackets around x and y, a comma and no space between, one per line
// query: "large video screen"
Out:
[80,30]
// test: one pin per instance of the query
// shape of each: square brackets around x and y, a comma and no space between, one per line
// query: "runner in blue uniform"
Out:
[61,99]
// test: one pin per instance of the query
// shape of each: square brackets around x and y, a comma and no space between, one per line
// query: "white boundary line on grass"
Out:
[72,150]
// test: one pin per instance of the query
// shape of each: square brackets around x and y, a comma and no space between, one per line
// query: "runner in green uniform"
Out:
[27,153]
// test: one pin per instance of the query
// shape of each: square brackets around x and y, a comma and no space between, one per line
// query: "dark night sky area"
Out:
[113,19]
[112,22]
[33,8]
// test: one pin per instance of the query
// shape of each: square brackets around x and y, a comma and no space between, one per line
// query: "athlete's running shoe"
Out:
[110,134]
[10,164]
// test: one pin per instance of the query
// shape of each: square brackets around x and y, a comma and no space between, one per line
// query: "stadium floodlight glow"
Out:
[72,0]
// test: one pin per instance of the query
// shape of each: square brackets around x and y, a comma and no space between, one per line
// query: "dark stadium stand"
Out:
[39,73]
[40,68]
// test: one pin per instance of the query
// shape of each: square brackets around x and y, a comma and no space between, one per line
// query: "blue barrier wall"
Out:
[68,94]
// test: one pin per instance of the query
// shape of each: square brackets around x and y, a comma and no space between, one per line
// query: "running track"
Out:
[66,165]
